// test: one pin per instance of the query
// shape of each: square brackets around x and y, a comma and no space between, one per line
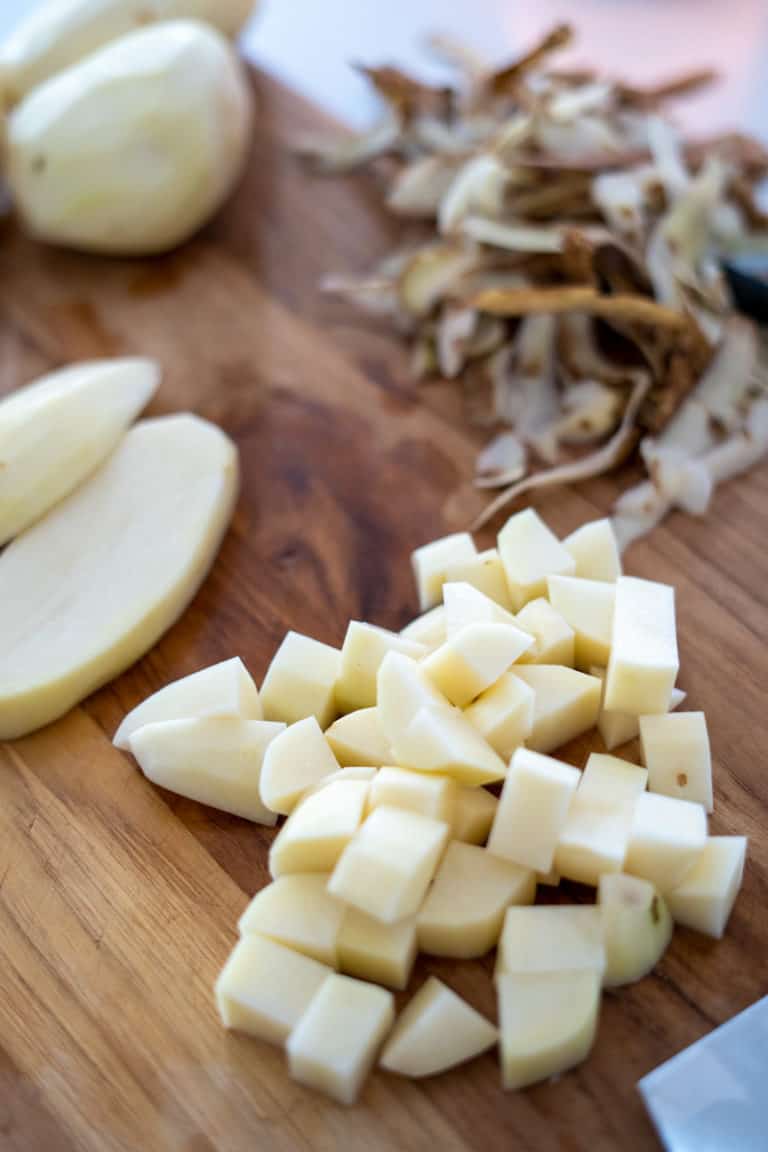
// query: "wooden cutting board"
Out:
[118,902]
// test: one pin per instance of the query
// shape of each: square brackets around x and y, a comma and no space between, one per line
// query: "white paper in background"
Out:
[712,1096]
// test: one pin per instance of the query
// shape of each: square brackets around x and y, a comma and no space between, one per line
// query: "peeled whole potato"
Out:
[132,150]
[56,34]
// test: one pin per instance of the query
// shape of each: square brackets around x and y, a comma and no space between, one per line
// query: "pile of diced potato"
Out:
[380,756]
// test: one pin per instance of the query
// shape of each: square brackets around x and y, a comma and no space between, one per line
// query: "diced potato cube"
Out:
[264,989]
[364,772]
[216,760]
[676,754]
[428,629]
[358,739]
[473,815]
[503,715]
[554,641]
[464,909]
[443,741]
[298,758]
[464,604]
[549,879]
[431,795]
[431,561]
[362,652]
[335,1043]
[595,550]
[643,664]
[530,552]
[436,1030]
[567,704]
[224,689]
[484,572]
[301,681]
[667,838]
[637,928]
[317,832]
[299,913]
[403,688]
[385,871]
[596,832]
[705,897]
[474,658]
[551,938]
[532,810]
[587,605]
[618,728]
[383,953]
[547,1022]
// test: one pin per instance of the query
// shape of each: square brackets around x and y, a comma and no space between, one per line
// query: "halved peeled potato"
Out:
[436,1030]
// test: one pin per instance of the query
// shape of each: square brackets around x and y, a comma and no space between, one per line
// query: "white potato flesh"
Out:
[595,550]
[428,629]
[554,641]
[676,754]
[216,760]
[56,431]
[429,794]
[264,989]
[643,664]
[134,148]
[335,1043]
[667,838]
[441,740]
[431,561]
[567,704]
[503,715]
[463,911]
[362,653]
[301,681]
[596,832]
[299,758]
[362,773]
[386,869]
[484,572]
[224,689]
[618,728]
[436,1030]
[587,605]
[473,815]
[547,1022]
[370,950]
[637,928]
[705,897]
[403,689]
[297,911]
[90,588]
[551,938]
[465,604]
[532,810]
[357,739]
[530,552]
[58,33]
[474,658]
[320,828]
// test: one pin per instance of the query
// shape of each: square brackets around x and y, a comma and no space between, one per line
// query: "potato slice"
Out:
[473,815]
[551,938]
[618,728]
[532,810]
[317,832]
[567,704]
[643,665]
[224,689]
[301,681]
[464,604]
[530,552]
[463,911]
[362,653]
[587,605]
[335,1043]
[667,838]
[299,757]
[503,715]
[595,551]
[474,658]
[484,572]
[265,989]
[548,1023]
[358,740]
[637,928]
[58,430]
[297,911]
[704,898]
[554,639]
[216,760]
[430,562]
[431,795]
[370,950]
[441,740]
[386,869]
[676,754]
[166,496]
[428,629]
[436,1030]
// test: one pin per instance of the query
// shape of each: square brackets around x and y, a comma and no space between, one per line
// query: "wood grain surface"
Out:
[118,902]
